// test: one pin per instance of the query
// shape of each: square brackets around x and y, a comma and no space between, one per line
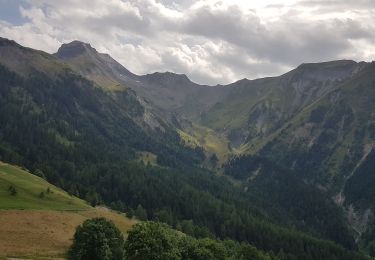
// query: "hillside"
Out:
[335,132]
[41,226]
[67,111]
[168,93]
[100,68]
[330,143]
[29,189]
[170,96]
[255,109]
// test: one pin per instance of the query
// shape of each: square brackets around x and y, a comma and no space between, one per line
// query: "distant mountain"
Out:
[176,94]
[100,68]
[255,109]
[169,93]
[317,121]
[330,140]
[70,110]
[275,117]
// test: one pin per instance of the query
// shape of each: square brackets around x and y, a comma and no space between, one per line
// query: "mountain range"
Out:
[269,161]
[302,109]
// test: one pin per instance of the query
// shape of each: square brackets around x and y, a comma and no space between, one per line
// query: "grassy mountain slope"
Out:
[170,96]
[255,109]
[330,144]
[113,78]
[334,133]
[175,94]
[14,55]
[29,189]
[98,67]
[168,93]
[214,143]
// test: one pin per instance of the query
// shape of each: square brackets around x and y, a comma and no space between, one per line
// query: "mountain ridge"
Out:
[60,54]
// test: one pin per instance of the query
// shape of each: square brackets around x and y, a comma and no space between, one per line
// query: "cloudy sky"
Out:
[210,41]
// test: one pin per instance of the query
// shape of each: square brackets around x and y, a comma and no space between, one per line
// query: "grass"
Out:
[231,116]
[207,138]
[89,69]
[233,112]
[189,140]
[43,62]
[29,187]
[32,227]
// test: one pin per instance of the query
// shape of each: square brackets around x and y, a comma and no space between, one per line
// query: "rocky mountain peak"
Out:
[73,49]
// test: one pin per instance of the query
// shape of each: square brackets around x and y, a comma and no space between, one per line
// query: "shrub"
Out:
[12,190]
[97,239]
[151,240]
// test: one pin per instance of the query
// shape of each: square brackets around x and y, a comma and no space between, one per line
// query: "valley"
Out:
[256,161]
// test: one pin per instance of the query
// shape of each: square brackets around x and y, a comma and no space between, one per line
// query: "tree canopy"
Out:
[97,239]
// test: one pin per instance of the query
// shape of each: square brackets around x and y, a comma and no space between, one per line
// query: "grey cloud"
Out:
[212,45]
[290,40]
[247,69]
[352,4]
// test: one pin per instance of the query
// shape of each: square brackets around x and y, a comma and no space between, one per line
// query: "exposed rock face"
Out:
[73,49]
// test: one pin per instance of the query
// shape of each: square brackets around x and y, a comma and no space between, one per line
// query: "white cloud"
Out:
[211,41]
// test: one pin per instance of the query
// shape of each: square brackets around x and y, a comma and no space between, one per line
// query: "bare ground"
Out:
[44,233]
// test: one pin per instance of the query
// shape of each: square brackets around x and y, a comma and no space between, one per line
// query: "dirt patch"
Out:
[122,222]
[43,233]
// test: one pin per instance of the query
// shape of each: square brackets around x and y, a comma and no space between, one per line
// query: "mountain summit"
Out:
[74,49]
[99,67]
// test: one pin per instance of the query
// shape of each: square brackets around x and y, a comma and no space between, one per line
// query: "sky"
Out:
[213,42]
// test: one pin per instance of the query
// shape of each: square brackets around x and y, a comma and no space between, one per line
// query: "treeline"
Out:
[151,240]
[99,238]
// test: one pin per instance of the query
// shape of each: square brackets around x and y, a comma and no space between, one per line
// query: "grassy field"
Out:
[29,188]
[38,227]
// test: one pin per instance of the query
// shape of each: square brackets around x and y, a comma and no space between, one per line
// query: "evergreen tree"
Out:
[140,212]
